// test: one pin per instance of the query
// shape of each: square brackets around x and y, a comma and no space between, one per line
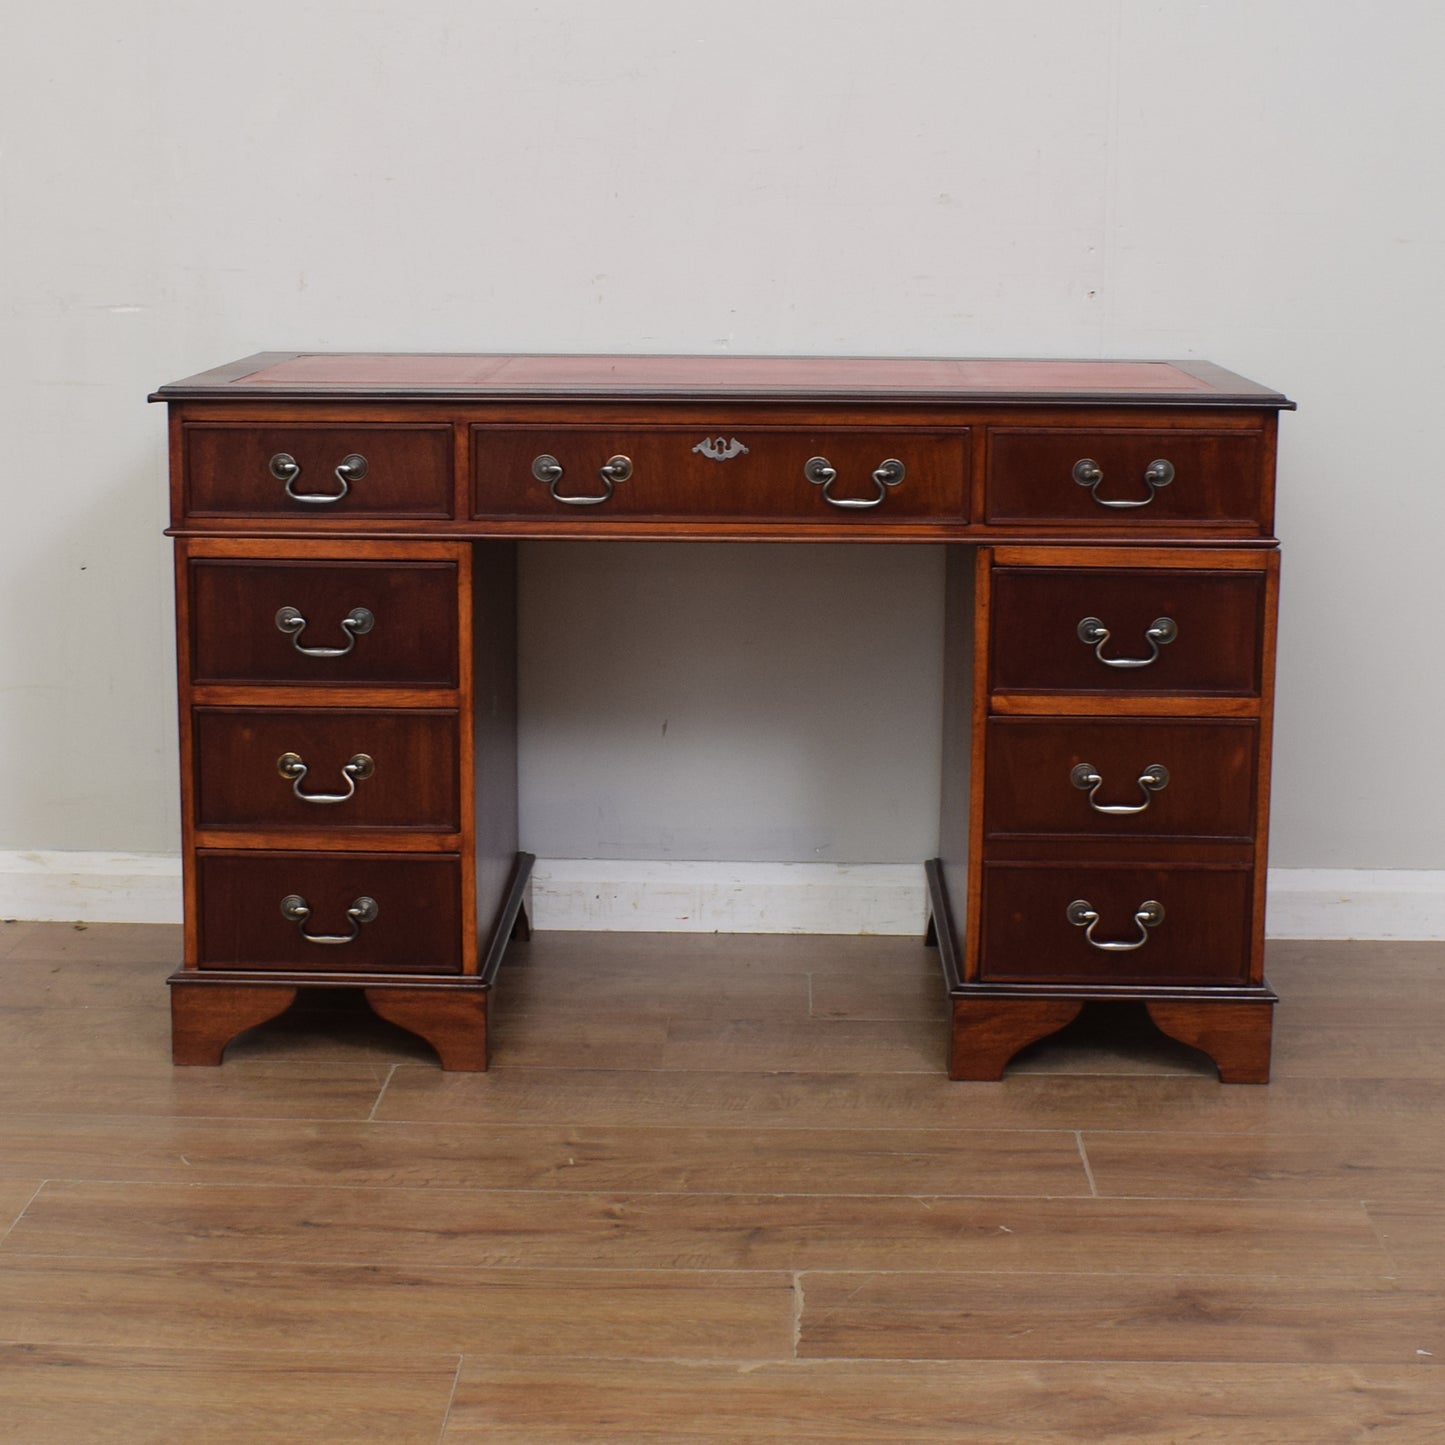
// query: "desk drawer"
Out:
[1030,935]
[1125,477]
[1179,779]
[412,923]
[747,473]
[346,469]
[238,608]
[1126,630]
[335,769]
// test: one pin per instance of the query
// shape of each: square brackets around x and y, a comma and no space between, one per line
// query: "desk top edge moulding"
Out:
[443,375]
[346,526]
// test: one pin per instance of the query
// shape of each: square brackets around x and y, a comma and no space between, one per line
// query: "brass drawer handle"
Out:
[1149,914]
[1086,777]
[546,468]
[1088,473]
[821,473]
[1160,633]
[285,468]
[359,620]
[296,909]
[358,769]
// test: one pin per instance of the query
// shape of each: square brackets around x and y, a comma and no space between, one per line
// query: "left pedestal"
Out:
[348,783]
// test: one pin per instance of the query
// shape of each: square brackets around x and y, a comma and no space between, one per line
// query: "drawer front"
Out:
[1040,641]
[737,475]
[416,927]
[1112,478]
[236,636]
[1202,937]
[1126,778]
[336,769]
[350,469]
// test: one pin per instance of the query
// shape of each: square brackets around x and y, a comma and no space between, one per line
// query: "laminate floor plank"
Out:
[68,964]
[709,954]
[744,989]
[86,1396]
[286,1089]
[86,1037]
[80,1039]
[911,989]
[1382,1164]
[1245,1318]
[360,1309]
[1414,1238]
[13,932]
[543,1157]
[838,1099]
[498,1228]
[853,1402]
[1328,963]
[1352,1051]
[769,1045]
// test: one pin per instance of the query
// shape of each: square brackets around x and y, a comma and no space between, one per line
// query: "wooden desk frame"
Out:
[389,490]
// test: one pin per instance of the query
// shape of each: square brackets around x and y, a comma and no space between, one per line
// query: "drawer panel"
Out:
[1037,613]
[1214,477]
[416,929]
[748,473]
[1027,936]
[239,470]
[1038,773]
[235,636]
[363,768]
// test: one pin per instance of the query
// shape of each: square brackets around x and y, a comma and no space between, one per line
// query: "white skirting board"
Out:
[647,897]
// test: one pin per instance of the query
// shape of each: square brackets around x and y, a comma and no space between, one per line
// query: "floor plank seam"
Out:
[381,1094]
[627,1195]
[1084,1160]
[20,1213]
[451,1399]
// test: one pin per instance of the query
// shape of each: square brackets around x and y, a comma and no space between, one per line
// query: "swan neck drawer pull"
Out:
[285,468]
[1082,914]
[360,767]
[296,909]
[546,468]
[1160,633]
[356,622]
[822,473]
[1088,473]
[1087,778]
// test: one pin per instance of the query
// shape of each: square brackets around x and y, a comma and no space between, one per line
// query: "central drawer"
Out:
[338,768]
[324,623]
[747,472]
[328,912]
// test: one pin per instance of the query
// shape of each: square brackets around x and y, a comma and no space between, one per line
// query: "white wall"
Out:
[1252,181]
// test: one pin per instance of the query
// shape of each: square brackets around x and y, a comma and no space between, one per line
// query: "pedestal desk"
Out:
[345,530]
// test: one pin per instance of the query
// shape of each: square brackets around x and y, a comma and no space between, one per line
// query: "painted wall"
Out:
[1253,181]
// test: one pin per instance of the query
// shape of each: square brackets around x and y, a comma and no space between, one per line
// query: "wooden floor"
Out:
[716,1189]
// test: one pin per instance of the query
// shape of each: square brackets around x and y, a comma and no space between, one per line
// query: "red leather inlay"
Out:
[821,374]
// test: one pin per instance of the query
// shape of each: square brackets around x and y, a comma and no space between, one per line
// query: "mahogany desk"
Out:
[345,531]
